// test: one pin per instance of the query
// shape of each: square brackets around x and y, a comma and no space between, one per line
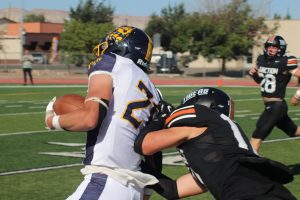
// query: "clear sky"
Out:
[148,7]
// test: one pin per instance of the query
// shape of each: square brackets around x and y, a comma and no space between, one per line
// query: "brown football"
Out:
[68,103]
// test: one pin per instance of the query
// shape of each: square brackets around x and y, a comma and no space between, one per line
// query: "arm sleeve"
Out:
[166,187]
[256,78]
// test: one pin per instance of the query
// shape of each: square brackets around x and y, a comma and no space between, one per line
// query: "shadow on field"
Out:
[295,169]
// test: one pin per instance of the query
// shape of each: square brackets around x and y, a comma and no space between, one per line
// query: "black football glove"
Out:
[165,109]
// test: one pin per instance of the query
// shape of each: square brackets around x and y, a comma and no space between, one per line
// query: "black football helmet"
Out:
[212,98]
[129,42]
[276,41]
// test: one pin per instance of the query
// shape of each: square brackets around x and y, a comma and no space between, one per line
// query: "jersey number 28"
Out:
[268,83]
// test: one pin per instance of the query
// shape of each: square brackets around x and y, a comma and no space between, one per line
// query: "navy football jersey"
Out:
[213,156]
[274,74]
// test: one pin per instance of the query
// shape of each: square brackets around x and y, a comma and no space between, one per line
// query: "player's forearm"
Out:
[80,120]
[296,98]
[187,186]
[162,139]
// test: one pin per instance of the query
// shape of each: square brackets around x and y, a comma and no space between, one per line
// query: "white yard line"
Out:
[25,113]
[13,106]
[280,140]
[33,107]
[40,169]
[243,111]
[42,86]
[25,132]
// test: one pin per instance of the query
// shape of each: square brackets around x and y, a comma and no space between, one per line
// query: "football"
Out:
[68,103]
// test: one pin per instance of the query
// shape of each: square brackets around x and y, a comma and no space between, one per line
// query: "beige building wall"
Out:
[11,48]
[290,31]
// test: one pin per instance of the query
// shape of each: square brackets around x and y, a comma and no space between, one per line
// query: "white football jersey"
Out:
[132,105]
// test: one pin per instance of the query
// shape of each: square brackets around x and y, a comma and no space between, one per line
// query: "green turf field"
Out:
[32,157]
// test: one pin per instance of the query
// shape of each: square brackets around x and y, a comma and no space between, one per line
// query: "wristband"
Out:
[55,123]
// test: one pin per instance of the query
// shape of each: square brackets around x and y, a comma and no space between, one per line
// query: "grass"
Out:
[23,139]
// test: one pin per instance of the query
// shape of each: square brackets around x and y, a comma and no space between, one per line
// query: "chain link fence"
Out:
[77,63]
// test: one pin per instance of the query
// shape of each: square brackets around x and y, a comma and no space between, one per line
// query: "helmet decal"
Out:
[120,33]
[271,39]
[129,42]
[212,98]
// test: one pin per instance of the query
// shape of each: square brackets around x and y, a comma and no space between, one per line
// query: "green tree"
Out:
[89,10]
[165,24]
[228,33]
[82,37]
[1,35]
[89,23]
[288,15]
[277,16]
[34,18]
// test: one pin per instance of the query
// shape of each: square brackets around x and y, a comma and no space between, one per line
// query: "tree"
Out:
[88,11]
[277,16]
[34,18]
[1,35]
[82,37]
[288,15]
[227,33]
[89,23]
[165,23]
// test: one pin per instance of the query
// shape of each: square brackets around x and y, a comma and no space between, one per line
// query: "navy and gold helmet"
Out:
[212,98]
[276,41]
[129,42]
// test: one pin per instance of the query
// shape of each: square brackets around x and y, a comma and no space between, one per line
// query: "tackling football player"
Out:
[216,151]
[120,100]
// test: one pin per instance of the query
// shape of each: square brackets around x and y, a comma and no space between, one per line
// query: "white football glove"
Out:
[49,110]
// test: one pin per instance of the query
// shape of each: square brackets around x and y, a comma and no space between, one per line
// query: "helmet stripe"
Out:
[149,49]
[271,39]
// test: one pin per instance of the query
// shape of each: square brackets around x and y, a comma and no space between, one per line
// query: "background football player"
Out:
[216,151]
[273,72]
[120,100]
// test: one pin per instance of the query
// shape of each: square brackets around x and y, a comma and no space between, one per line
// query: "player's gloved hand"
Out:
[49,110]
[253,70]
[165,109]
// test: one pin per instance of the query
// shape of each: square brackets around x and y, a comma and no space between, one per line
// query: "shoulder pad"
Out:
[180,115]
[104,63]
[292,62]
